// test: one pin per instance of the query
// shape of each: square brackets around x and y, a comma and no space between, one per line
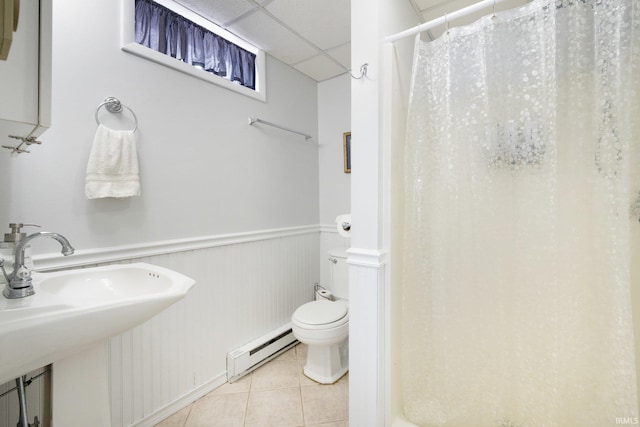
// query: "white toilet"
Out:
[324,326]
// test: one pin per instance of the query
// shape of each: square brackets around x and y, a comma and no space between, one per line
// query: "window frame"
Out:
[129,45]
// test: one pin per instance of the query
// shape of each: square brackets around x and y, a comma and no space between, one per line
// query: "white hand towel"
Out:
[112,170]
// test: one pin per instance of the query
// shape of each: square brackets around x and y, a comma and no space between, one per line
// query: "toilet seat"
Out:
[321,314]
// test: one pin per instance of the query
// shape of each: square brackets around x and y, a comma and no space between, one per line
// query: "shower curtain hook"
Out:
[446,23]
[494,10]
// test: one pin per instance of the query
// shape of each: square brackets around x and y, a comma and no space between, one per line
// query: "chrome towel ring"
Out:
[113,105]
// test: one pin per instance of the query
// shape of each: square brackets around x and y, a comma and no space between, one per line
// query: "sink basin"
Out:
[77,308]
[107,285]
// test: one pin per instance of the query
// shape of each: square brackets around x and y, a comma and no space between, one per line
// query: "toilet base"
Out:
[327,364]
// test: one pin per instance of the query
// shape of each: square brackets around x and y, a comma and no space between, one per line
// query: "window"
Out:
[165,32]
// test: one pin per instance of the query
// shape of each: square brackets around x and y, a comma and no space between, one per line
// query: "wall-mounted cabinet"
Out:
[25,76]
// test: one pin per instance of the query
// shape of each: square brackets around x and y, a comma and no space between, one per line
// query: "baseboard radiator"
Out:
[258,352]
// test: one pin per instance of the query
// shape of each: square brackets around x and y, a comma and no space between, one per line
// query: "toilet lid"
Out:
[320,312]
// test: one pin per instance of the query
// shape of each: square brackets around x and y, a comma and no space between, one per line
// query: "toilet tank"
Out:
[339,273]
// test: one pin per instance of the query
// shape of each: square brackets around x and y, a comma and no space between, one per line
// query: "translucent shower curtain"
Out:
[521,177]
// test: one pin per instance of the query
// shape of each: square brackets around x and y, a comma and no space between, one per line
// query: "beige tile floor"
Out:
[277,394]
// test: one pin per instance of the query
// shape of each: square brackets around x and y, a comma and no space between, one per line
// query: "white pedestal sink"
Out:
[80,389]
[74,311]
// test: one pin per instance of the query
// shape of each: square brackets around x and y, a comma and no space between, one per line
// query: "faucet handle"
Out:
[23,273]
[6,277]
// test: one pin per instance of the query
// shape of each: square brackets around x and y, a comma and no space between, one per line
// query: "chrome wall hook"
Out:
[363,72]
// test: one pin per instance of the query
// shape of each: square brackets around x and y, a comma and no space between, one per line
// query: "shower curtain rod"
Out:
[443,20]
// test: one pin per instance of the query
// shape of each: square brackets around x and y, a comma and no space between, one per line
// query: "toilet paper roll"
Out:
[343,224]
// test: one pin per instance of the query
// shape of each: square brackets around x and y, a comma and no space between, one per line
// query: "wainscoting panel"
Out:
[242,291]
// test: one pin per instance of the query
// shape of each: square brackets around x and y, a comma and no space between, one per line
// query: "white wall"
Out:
[334,118]
[204,171]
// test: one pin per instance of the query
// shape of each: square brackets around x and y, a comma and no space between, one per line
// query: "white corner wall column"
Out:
[376,127]
[366,272]
[366,338]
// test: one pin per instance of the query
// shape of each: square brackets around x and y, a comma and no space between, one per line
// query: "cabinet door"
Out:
[20,78]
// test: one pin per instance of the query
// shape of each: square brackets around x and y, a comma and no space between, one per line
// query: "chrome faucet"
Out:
[19,280]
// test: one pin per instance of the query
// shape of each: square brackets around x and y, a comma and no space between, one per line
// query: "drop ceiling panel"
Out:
[219,11]
[319,68]
[342,54]
[326,23]
[261,31]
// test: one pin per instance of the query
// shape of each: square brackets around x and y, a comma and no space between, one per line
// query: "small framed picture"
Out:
[346,142]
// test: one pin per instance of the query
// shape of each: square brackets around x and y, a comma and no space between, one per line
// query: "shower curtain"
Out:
[521,185]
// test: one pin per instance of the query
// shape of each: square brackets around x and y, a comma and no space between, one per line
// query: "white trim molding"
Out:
[328,228]
[367,257]
[55,261]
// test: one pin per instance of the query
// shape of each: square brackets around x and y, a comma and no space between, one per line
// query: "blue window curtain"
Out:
[165,31]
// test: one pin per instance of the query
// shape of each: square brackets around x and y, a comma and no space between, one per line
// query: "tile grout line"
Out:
[246,405]
[188,414]
[297,363]
[304,420]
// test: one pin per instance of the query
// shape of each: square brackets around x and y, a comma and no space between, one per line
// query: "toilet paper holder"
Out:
[322,292]
[343,225]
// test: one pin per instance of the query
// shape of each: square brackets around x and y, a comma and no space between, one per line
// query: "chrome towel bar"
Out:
[264,122]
